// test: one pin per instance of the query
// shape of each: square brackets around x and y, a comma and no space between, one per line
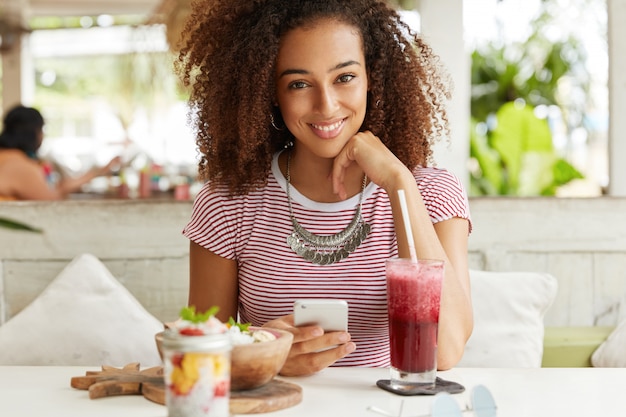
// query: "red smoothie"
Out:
[413,297]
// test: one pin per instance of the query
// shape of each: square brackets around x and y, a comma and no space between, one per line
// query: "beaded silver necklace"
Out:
[327,249]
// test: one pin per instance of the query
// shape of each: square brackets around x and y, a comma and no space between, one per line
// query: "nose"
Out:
[326,102]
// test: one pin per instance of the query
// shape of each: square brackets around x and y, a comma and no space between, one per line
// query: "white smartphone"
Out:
[330,314]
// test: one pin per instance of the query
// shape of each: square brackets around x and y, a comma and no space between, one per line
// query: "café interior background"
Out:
[101,73]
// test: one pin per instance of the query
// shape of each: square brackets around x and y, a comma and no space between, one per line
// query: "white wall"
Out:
[582,242]
[139,241]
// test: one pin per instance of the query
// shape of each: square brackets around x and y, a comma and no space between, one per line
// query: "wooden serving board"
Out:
[112,381]
[275,395]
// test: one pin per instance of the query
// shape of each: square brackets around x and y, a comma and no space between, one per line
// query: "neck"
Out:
[312,177]
[326,249]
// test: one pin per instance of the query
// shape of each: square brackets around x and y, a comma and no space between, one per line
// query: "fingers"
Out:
[341,163]
[311,350]
[284,323]
[313,355]
[310,363]
[377,162]
[115,164]
[307,344]
[300,334]
[365,150]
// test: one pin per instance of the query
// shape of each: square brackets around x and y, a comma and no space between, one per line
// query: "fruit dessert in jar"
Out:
[196,358]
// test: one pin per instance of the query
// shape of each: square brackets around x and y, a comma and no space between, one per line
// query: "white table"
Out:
[546,392]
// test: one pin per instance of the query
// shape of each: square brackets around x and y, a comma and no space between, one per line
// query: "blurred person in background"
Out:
[23,176]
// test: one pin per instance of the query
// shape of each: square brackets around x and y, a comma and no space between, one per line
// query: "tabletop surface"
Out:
[45,391]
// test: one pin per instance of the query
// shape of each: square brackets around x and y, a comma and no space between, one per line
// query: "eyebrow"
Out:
[336,67]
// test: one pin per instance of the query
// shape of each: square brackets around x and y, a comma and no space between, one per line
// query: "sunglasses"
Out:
[444,405]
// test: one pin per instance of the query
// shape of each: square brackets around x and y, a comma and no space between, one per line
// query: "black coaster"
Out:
[440,385]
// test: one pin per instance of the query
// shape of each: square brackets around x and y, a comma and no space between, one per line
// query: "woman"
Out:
[22,176]
[310,116]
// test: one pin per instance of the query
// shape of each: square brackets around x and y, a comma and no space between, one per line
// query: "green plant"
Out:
[510,145]
[15,225]
[516,156]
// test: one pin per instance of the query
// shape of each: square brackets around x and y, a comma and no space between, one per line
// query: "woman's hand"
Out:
[113,166]
[379,164]
[311,350]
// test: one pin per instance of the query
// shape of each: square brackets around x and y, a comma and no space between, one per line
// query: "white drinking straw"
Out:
[407,225]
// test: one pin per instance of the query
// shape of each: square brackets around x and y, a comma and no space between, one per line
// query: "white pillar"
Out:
[617,97]
[11,77]
[442,27]
[17,75]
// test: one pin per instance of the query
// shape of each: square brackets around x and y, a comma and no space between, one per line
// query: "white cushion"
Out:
[84,317]
[508,318]
[612,352]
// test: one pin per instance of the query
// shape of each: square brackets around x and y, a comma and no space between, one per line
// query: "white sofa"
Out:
[87,317]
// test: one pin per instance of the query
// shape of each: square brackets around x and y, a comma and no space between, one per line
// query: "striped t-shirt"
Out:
[253,229]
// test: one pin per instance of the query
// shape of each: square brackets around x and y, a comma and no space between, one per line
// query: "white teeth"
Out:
[328,128]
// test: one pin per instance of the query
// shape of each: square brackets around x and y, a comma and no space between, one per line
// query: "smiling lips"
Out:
[328,131]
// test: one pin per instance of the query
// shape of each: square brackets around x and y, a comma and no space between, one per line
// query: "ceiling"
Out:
[30,8]
[14,14]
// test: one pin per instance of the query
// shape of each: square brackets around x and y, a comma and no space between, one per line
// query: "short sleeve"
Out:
[213,222]
[443,194]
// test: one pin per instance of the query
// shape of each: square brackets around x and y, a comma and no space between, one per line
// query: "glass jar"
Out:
[197,374]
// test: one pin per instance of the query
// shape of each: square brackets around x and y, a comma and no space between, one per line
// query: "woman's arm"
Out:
[212,282]
[70,185]
[446,240]
[457,321]
[29,181]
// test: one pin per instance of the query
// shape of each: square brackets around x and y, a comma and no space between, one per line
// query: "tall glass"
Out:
[413,299]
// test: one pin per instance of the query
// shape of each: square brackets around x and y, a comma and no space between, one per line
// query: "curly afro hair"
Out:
[228,59]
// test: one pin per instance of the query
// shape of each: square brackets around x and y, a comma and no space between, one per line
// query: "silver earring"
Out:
[273,122]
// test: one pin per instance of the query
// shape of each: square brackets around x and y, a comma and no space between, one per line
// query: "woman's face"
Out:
[322,85]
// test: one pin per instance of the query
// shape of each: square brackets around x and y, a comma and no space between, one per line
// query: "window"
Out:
[549,57]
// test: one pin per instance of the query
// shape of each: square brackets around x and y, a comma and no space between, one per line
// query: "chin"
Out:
[328,154]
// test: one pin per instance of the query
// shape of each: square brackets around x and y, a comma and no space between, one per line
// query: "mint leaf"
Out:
[190,314]
[242,326]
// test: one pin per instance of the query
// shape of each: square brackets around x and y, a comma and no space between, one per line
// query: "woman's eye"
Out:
[297,85]
[345,78]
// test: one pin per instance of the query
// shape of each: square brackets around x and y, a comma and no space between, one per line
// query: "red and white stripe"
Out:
[253,230]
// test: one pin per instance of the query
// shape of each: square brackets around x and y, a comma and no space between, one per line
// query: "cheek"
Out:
[292,110]
[364,98]
[361,99]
